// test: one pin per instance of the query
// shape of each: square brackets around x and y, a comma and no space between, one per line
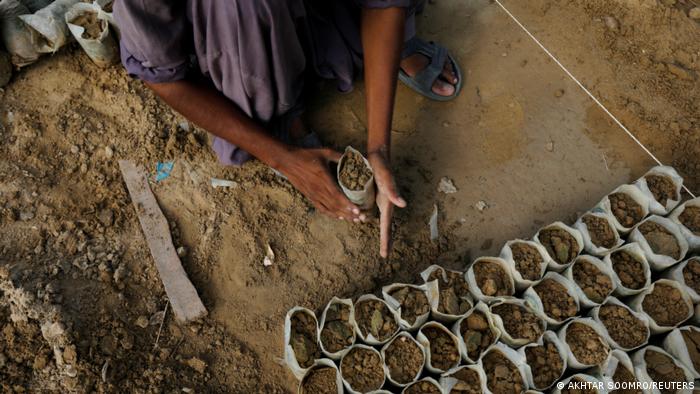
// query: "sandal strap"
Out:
[437,55]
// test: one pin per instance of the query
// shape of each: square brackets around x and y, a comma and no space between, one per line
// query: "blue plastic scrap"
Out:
[163,170]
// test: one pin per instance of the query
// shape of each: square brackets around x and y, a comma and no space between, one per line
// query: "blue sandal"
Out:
[423,81]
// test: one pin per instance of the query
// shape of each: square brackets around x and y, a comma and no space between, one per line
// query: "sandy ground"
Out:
[522,139]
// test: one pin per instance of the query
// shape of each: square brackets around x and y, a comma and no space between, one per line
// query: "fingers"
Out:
[331,155]
[386,211]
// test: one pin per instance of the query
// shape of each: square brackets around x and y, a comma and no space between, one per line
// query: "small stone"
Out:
[181,251]
[611,23]
[559,93]
[481,206]
[197,364]
[109,152]
[106,217]
[74,149]
[694,13]
[26,216]
[550,146]
[141,321]
[447,186]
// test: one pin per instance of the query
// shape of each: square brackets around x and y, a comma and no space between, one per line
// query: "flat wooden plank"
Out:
[186,304]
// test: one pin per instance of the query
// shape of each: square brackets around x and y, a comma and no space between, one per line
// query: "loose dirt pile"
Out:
[626,210]
[661,368]
[570,389]
[602,234]
[628,269]
[414,303]
[546,363]
[303,339]
[586,345]
[502,376]
[691,337]
[519,322]
[660,239]
[469,382]
[444,350]
[337,331]
[690,218]
[528,261]
[374,317]
[662,188]
[477,334]
[621,376]
[452,292]
[560,245]
[354,174]
[362,369]
[691,274]
[665,305]
[320,381]
[622,326]
[557,302]
[492,279]
[594,283]
[405,360]
[92,25]
[423,387]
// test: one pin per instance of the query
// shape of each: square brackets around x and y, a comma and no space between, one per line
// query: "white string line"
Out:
[595,100]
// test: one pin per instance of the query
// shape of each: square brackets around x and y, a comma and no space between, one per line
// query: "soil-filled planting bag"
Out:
[553,299]
[562,243]
[687,217]
[356,178]
[489,279]
[546,359]
[661,240]
[15,36]
[632,274]
[322,377]
[518,323]
[454,298]
[623,328]
[441,347]
[424,386]
[476,332]
[585,342]
[617,371]
[376,323]
[598,231]
[683,343]
[627,206]
[90,27]
[301,347]
[665,303]
[592,280]
[495,359]
[411,303]
[404,359]
[662,185]
[48,26]
[653,364]
[527,260]
[362,369]
[337,328]
[594,385]
[465,378]
[687,273]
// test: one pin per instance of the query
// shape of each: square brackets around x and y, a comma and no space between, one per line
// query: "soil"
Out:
[584,390]
[374,317]
[337,331]
[546,363]
[362,369]
[690,218]
[502,376]
[93,26]
[691,274]
[519,322]
[601,232]
[660,239]
[304,338]
[628,269]
[622,326]
[627,211]
[492,279]
[691,337]
[528,261]
[405,360]
[444,350]
[557,302]
[354,174]
[661,368]
[595,284]
[477,334]
[320,381]
[586,345]
[623,375]
[560,245]
[452,292]
[662,188]
[423,387]
[468,382]
[666,306]
[414,303]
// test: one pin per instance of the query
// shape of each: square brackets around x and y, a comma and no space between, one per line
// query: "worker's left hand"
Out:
[387,198]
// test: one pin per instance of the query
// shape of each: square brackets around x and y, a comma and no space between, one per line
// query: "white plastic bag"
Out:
[594,313]
[363,198]
[340,353]
[425,342]
[522,283]
[102,49]
[559,263]
[655,207]
[348,387]
[322,363]
[660,262]
[640,366]
[518,361]
[588,244]
[534,300]
[692,238]
[507,337]
[15,36]
[402,336]
[370,339]
[633,193]
[572,361]
[48,26]
[637,304]
[675,345]
[462,325]
[676,273]
[426,379]
[592,383]
[449,382]
[477,291]
[548,337]
[290,358]
[634,250]
[430,290]
[603,268]
[606,371]
[442,274]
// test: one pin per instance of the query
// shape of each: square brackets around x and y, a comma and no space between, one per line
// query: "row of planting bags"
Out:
[30,28]
[668,272]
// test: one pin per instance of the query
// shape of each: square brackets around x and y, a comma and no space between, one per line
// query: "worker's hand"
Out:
[308,170]
[387,198]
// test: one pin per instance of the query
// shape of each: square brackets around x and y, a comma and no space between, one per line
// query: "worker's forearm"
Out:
[212,111]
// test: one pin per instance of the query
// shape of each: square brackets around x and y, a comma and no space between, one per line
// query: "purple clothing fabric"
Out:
[255,52]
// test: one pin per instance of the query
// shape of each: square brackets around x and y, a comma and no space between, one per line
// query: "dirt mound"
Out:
[405,360]
[320,381]
[628,269]
[502,376]
[413,303]
[665,305]
[519,322]
[362,369]
[627,211]
[602,234]
[660,239]
[492,279]
[691,274]
[528,261]
[622,326]
[661,368]
[560,245]
[662,188]
[477,334]
[690,218]
[556,300]
[444,350]
[594,283]
[546,363]
[586,345]
[374,317]
[354,174]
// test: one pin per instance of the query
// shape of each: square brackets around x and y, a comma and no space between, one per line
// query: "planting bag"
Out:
[507,255]
[103,49]
[15,36]
[48,26]
[364,198]
[660,262]
[289,357]
[692,238]
[605,269]
[654,206]
[636,304]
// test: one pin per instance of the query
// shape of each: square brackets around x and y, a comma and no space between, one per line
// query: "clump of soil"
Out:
[623,375]
[303,339]
[362,368]
[586,345]
[452,292]
[560,245]
[585,389]
[690,218]
[546,364]
[665,305]
[519,322]
[405,359]
[528,261]
[320,381]
[691,274]
[337,332]
[477,334]
[660,239]
[502,376]
[354,174]
[423,387]
[661,368]
[662,188]
[628,269]
[691,337]
[374,317]
[595,284]
[622,326]
[92,25]
[468,382]
[557,302]
[413,302]
[601,232]
[444,351]
[627,211]
[492,279]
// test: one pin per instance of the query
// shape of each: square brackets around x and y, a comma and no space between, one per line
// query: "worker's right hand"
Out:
[308,170]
